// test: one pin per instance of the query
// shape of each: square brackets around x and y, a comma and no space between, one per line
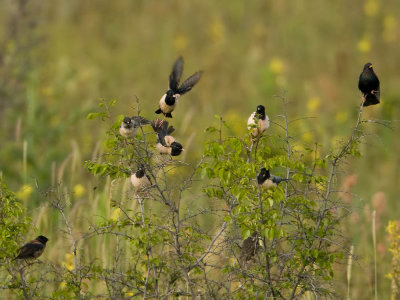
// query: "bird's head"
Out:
[176,149]
[367,66]
[42,239]
[140,172]
[264,175]
[127,122]
[260,111]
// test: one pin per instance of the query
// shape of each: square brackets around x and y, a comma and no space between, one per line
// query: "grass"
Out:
[63,57]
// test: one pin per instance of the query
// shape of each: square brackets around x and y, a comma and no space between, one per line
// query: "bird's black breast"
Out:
[170,100]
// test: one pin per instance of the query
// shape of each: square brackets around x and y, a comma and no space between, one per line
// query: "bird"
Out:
[368,84]
[130,126]
[166,144]
[169,100]
[140,180]
[266,180]
[258,122]
[33,249]
[249,248]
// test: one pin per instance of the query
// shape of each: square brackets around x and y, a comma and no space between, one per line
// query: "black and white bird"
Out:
[266,180]
[369,85]
[140,180]
[169,100]
[166,144]
[33,249]
[258,122]
[130,126]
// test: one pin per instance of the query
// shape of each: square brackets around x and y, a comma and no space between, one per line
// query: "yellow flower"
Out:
[364,45]
[313,104]
[277,66]
[115,214]
[79,190]
[180,42]
[63,284]
[371,8]
[389,31]
[341,116]
[217,31]
[24,192]
[68,263]
[308,137]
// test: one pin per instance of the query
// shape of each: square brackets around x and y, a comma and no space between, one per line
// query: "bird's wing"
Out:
[189,83]
[29,249]
[140,120]
[176,74]
[161,128]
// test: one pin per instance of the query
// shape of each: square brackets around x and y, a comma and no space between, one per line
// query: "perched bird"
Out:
[249,248]
[166,144]
[258,121]
[33,249]
[169,100]
[267,180]
[369,85]
[130,126]
[140,180]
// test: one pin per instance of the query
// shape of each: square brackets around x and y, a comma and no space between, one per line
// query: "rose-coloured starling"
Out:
[258,121]
[369,85]
[266,180]
[33,249]
[166,143]
[169,100]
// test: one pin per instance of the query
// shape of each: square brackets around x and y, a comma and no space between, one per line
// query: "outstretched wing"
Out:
[176,74]
[189,83]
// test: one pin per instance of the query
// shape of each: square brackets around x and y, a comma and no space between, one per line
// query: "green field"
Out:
[58,58]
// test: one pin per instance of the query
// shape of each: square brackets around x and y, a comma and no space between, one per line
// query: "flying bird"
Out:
[140,180]
[249,248]
[33,249]
[266,180]
[169,100]
[258,122]
[166,144]
[369,85]
[130,126]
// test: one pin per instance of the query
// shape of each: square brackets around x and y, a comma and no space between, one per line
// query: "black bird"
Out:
[130,126]
[169,100]
[249,248]
[166,144]
[33,249]
[140,180]
[258,121]
[267,180]
[369,85]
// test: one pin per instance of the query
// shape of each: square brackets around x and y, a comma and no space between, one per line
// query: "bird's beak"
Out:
[183,149]
[370,67]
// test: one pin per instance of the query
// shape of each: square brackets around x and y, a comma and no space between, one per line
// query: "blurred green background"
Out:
[57,58]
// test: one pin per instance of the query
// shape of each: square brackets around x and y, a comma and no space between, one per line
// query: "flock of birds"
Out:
[166,144]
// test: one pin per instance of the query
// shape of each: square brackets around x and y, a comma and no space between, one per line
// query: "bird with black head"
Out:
[368,84]
[258,122]
[166,143]
[169,100]
[266,180]
[33,249]
[130,126]
[140,180]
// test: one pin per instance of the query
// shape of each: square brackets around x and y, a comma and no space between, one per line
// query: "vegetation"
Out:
[57,60]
